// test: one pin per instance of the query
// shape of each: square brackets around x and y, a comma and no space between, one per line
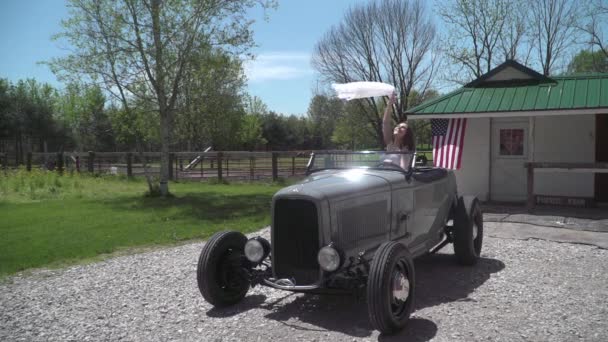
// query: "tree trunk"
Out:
[163,106]
[165,139]
[140,150]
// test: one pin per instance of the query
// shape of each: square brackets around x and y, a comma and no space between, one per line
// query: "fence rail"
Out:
[531,167]
[184,165]
[4,161]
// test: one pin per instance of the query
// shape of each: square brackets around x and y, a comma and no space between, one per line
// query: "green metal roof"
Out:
[584,91]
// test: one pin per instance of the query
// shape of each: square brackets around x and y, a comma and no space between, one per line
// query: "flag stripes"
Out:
[448,139]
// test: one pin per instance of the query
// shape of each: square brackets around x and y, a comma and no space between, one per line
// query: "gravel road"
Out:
[529,290]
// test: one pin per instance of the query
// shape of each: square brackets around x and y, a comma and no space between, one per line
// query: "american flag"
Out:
[448,137]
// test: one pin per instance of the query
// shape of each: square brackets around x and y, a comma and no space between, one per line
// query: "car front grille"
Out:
[366,222]
[295,241]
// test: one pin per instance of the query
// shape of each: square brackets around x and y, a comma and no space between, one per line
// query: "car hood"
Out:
[341,184]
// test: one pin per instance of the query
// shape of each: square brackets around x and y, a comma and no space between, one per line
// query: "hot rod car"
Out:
[356,222]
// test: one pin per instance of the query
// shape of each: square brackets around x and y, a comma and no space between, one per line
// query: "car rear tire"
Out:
[222,269]
[468,231]
[391,288]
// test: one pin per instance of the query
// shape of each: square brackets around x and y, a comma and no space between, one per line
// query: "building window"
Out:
[512,142]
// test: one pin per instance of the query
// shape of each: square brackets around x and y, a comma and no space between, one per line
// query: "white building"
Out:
[516,115]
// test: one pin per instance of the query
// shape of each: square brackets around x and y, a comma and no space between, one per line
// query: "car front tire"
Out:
[391,288]
[222,269]
[468,231]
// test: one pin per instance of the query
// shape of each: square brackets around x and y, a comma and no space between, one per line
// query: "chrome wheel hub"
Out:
[401,287]
[475,230]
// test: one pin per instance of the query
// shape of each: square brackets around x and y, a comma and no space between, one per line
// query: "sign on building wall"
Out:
[565,201]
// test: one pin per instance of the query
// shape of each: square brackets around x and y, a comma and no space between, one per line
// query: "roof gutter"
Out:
[556,112]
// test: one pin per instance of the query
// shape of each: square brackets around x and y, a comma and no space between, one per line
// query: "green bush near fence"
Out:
[49,219]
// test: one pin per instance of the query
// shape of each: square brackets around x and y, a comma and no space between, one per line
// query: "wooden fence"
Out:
[184,165]
[4,161]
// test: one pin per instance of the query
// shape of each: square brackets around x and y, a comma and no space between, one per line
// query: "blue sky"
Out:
[26,27]
[281,75]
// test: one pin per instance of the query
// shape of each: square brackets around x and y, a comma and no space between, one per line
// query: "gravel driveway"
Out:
[519,291]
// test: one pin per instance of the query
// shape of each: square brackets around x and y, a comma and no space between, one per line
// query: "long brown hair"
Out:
[407,140]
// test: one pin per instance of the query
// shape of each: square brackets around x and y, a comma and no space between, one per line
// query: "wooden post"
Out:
[227,166]
[219,166]
[202,170]
[531,138]
[171,157]
[78,164]
[91,162]
[275,168]
[293,166]
[177,162]
[129,164]
[60,162]
[5,162]
[251,168]
[530,202]
[28,161]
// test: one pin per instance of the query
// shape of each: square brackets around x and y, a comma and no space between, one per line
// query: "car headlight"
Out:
[328,258]
[257,249]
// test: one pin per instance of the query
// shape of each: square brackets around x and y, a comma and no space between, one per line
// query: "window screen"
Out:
[512,142]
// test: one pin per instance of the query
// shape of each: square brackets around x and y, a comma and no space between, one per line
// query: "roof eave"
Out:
[506,114]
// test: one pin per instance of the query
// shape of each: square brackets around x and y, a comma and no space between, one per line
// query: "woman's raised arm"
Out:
[387,127]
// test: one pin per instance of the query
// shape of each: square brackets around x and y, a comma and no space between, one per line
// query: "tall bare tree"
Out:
[476,36]
[554,30]
[385,41]
[141,49]
[514,37]
[598,22]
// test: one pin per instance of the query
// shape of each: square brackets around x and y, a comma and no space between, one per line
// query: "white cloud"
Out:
[278,66]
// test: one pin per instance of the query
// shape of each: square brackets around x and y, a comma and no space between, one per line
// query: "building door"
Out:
[601,155]
[509,153]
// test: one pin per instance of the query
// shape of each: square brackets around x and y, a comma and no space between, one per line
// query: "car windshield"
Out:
[396,161]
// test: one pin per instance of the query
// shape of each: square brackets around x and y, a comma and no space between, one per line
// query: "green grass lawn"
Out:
[51,220]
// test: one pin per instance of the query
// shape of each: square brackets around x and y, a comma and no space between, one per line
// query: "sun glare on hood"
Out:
[353,175]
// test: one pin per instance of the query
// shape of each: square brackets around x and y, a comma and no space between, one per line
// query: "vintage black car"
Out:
[358,220]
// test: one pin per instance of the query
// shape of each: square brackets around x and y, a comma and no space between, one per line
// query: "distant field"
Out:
[50,220]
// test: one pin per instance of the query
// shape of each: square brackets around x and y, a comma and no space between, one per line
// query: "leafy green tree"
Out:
[353,132]
[143,49]
[286,132]
[211,107]
[5,108]
[26,113]
[250,133]
[137,127]
[254,105]
[298,133]
[273,130]
[422,128]
[81,109]
[588,61]
[323,113]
